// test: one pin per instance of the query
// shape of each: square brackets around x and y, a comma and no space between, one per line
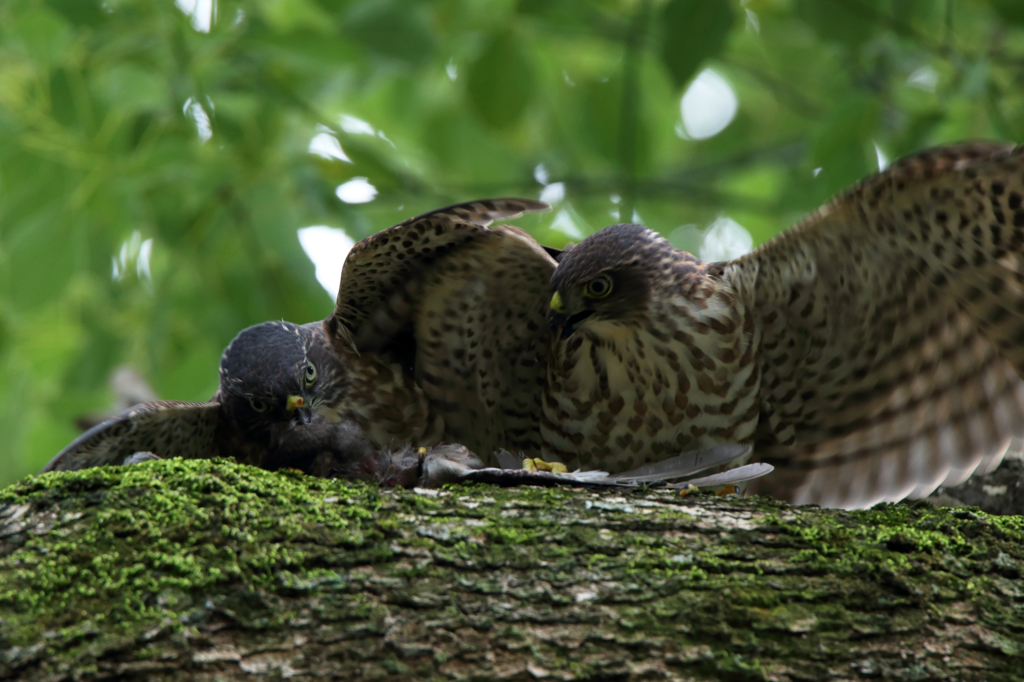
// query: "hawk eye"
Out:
[258,405]
[310,374]
[599,287]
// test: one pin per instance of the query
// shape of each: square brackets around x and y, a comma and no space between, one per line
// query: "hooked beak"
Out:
[559,320]
[421,455]
[296,405]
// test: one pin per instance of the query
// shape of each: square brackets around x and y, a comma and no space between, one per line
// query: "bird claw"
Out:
[688,490]
[139,458]
[538,464]
[721,491]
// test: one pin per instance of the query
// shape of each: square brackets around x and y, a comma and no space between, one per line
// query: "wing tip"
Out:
[88,442]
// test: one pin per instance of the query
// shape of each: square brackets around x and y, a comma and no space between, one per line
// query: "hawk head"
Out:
[279,374]
[608,276]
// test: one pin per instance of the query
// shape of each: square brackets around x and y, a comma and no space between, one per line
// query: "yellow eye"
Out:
[310,374]
[258,405]
[599,287]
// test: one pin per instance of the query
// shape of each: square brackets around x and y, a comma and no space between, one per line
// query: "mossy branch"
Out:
[208,570]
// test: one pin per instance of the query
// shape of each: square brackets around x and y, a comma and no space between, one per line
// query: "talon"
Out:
[688,490]
[731,489]
[139,457]
[538,464]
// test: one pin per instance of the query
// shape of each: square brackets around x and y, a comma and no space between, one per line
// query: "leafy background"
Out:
[155,158]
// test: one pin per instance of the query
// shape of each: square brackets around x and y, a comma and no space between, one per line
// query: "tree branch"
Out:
[214,570]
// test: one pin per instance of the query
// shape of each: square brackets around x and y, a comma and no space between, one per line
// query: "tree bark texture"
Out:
[210,570]
[998,492]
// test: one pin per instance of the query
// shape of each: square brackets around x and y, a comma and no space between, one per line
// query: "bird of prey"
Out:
[274,377]
[363,363]
[873,352]
[415,352]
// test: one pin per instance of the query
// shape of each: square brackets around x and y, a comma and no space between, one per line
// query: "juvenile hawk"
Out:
[872,352]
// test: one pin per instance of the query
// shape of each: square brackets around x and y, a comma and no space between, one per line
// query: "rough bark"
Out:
[210,570]
[999,492]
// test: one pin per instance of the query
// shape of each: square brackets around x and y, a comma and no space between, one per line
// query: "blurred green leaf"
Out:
[1011,10]
[44,34]
[599,112]
[500,81]
[80,12]
[694,30]
[392,29]
[291,15]
[849,22]
[844,150]
[102,105]
[131,88]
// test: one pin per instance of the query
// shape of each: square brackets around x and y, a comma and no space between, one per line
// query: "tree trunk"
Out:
[211,570]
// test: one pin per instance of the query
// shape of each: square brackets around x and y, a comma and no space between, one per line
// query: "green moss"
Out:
[511,536]
[166,544]
[738,667]
[131,543]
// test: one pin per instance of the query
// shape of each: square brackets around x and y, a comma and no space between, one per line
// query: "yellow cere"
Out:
[556,303]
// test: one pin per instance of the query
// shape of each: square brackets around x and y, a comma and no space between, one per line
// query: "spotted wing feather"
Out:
[167,428]
[892,331]
[482,340]
[379,279]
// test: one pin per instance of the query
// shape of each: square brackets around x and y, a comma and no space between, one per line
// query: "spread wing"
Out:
[469,304]
[892,331]
[379,275]
[167,428]
[482,340]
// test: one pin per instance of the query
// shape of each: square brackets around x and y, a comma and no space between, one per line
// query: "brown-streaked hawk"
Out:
[873,352]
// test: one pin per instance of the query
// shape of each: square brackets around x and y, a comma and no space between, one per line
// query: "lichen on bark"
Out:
[209,569]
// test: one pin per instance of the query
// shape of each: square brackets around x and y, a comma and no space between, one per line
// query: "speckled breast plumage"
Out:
[621,395]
